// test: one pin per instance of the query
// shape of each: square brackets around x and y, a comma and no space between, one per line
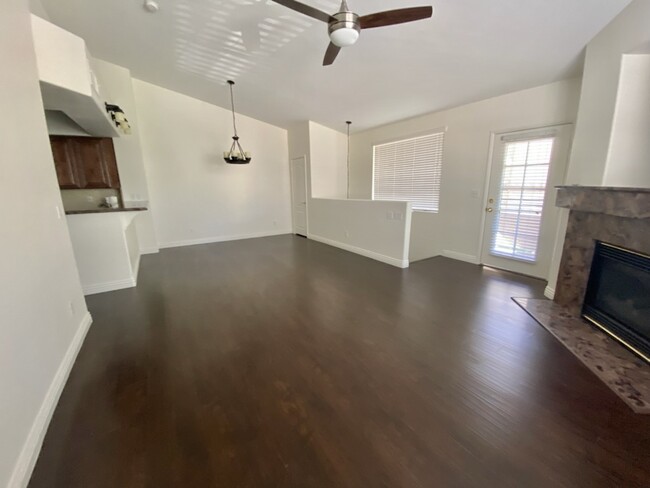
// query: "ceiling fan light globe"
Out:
[344,37]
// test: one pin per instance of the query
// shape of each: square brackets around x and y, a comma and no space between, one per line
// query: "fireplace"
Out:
[604,275]
[617,298]
[617,216]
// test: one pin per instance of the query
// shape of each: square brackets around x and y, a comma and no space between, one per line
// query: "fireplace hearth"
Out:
[617,299]
[608,228]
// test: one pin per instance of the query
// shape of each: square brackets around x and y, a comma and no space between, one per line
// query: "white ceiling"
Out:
[470,50]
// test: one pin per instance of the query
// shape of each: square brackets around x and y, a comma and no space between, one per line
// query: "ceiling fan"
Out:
[344,26]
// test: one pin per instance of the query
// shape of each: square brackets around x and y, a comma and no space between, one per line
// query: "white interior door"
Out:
[299,195]
[521,216]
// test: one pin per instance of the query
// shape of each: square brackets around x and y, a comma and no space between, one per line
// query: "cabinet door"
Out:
[64,161]
[95,159]
[110,162]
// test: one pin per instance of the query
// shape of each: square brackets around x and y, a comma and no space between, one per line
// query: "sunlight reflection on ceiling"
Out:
[235,36]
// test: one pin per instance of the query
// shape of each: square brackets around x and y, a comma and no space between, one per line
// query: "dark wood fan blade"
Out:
[330,54]
[392,17]
[305,9]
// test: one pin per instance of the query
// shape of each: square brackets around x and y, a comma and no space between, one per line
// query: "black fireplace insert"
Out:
[618,296]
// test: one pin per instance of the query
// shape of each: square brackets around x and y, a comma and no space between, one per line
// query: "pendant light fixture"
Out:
[348,122]
[236,155]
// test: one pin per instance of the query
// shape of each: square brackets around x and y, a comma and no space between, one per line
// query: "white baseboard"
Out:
[136,269]
[549,293]
[109,286]
[459,256]
[211,240]
[149,250]
[32,447]
[364,252]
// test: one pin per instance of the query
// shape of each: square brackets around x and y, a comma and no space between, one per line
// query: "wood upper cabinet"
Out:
[66,169]
[85,162]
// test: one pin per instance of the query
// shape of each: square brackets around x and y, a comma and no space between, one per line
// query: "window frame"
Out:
[527,135]
[406,137]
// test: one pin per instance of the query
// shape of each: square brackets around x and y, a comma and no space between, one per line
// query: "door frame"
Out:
[293,221]
[494,135]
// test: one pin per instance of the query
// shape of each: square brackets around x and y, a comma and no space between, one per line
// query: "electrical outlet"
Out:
[275,223]
[474,193]
[397,215]
[347,234]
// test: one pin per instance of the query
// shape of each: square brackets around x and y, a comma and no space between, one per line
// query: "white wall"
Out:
[43,314]
[456,229]
[106,250]
[628,161]
[118,84]
[611,135]
[600,86]
[195,195]
[378,230]
[71,71]
[328,159]
[58,123]
[36,7]
[298,136]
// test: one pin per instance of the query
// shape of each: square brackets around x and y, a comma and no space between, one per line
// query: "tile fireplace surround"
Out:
[618,216]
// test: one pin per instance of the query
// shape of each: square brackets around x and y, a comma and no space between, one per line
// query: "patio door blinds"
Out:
[409,170]
[518,217]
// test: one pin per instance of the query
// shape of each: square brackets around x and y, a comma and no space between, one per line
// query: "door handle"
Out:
[489,210]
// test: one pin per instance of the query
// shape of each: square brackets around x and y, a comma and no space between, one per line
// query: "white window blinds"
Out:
[409,170]
[518,216]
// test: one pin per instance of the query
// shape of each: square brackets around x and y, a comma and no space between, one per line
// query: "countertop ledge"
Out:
[105,210]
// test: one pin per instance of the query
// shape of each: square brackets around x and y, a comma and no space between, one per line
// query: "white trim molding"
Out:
[459,256]
[95,288]
[549,292]
[149,250]
[136,269]
[109,286]
[32,447]
[400,263]
[211,240]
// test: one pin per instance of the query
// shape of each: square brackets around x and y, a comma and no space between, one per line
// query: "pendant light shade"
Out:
[236,155]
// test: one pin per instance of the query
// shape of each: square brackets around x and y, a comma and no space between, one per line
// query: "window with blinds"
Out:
[409,170]
[518,214]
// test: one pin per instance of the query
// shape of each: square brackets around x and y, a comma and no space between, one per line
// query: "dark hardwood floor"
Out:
[282,362]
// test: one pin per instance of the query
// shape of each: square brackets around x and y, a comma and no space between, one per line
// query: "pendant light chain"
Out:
[232,104]
[349,122]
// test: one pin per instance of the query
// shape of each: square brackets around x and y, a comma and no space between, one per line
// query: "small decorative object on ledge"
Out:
[236,155]
[117,114]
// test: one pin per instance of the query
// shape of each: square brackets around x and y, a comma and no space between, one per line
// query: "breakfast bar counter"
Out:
[106,248]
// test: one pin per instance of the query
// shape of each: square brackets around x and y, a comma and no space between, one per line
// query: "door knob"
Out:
[489,210]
